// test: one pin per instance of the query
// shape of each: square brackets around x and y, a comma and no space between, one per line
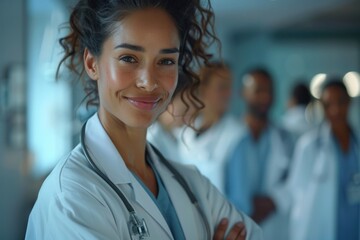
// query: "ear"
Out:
[90,64]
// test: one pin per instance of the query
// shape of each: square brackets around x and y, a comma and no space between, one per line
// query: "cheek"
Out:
[115,77]
[169,81]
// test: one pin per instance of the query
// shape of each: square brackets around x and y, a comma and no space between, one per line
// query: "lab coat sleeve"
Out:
[302,167]
[72,216]
[279,191]
[222,208]
[236,185]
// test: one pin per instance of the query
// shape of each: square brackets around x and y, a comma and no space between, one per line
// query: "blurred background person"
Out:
[209,146]
[325,178]
[165,133]
[294,119]
[257,168]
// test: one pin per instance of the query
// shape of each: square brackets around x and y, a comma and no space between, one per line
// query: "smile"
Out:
[144,103]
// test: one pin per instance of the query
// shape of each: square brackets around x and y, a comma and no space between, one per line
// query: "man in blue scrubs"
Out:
[258,166]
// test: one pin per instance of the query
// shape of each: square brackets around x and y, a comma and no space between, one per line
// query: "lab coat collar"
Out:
[325,133]
[110,162]
[183,206]
[104,153]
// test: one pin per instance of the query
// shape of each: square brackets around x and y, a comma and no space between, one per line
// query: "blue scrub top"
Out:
[246,169]
[348,214]
[165,205]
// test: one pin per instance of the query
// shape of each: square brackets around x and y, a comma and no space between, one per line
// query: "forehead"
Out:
[261,79]
[332,93]
[146,26]
[257,81]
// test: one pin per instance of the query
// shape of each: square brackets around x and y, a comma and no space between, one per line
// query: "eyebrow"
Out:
[141,49]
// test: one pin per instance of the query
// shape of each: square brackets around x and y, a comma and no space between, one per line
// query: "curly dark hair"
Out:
[92,21]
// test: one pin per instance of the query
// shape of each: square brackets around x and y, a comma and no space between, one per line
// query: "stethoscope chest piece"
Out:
[138,228]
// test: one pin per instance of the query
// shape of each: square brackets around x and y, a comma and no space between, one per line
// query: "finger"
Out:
[243,232]
[221,229]
[242,235]
[235,231]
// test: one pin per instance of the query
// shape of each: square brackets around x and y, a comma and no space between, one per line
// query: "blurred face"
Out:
[258,94]
[180,113]
[216,92]
[137,69]
[336,105]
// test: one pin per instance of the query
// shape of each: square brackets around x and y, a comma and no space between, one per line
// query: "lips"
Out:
[144,103]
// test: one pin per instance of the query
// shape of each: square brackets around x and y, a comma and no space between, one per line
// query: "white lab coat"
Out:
[210,151]
[165,141]
[313,186]
[295,122]
[75,203]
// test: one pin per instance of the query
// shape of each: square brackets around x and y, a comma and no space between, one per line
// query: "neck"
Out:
[342,133]
[256,125]
[168,121]
[209,118]
[129,142]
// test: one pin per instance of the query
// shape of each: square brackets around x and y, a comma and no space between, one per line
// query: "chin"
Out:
[143,121]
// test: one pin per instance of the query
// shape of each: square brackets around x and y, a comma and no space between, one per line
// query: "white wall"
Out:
[12,42]
[49,101]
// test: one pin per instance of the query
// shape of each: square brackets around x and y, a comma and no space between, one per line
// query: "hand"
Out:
[237,232]
[263,207]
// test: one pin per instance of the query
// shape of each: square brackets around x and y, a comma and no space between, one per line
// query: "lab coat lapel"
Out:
[148,205]
[278,161]
[180,200]
[182,204]
[322,193]
[327,181]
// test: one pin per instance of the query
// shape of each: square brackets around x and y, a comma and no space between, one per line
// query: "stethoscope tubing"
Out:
[123,198]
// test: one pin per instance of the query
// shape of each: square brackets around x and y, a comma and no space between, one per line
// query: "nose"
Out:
[147,79]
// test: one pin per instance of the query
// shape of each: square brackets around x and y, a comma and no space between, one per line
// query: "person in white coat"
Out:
[325,179]
[209,145]
[256,172]
[294,119]
[114,185]
[166,132]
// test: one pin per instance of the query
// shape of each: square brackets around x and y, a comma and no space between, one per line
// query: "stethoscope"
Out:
[320,141]
[319,169]
[137,226]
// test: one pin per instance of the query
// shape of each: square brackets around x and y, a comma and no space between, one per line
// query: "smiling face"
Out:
[137,69]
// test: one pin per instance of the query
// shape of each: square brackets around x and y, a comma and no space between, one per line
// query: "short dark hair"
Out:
[335,82]
[301,94]
[260,70]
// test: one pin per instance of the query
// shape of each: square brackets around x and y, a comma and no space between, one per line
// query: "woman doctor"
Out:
[325,179]
[114,185]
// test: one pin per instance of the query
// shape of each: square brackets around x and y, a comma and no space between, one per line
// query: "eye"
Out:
[128,59]
[167,61]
